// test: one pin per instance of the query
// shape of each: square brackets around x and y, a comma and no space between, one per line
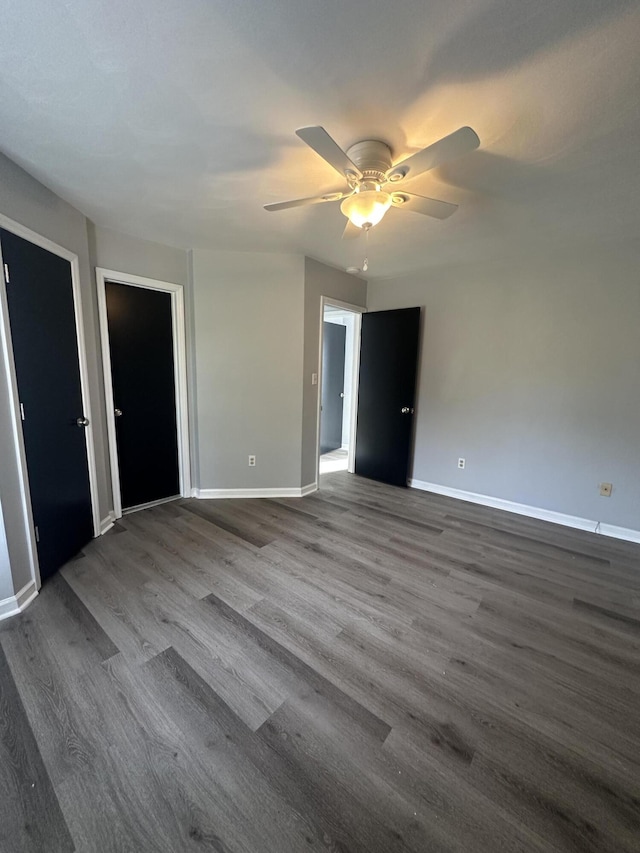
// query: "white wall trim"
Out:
[616,532]
[86,401]
[357,311]
[531,511]
[286,492]
[176,292]
[16,603]
[107,523]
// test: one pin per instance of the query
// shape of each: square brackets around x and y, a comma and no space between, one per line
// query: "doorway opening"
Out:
[338,398]
[142,331]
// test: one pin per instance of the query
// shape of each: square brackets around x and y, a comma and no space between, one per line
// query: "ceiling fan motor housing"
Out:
[373,158]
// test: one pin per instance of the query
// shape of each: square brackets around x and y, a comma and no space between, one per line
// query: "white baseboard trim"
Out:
[107,523]
[531,511]
[287,492]
[619,532]
[16,603]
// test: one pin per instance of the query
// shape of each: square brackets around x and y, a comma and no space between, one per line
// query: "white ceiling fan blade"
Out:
[460,142]
[302,202]
[351,231]
[318,139]
[421,204]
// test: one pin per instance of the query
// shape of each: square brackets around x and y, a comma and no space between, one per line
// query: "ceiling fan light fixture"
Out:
[366,208]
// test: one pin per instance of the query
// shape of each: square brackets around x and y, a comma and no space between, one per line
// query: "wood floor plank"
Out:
[558,793]
[365,669]
[145,791]
[216,730]
[54,703]
[223,519]
[70,629]
[315,689]
[614,618]
[245,683]
[30,815]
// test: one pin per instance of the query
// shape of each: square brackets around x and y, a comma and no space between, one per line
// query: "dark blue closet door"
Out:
[140,325]
[386,394]
[45,348]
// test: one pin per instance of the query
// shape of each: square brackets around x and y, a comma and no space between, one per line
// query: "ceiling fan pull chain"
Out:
[365,263]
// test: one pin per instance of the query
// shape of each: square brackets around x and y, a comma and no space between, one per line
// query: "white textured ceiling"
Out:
[174,120]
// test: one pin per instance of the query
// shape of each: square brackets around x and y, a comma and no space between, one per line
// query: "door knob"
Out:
[405,410]
[342,394]
[82,422]
[117,413]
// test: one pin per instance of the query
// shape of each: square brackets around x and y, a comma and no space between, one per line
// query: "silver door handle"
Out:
[82,422]
[342,393]
[405,410]
[117,413]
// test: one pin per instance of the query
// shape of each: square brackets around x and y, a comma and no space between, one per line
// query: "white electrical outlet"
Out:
[252,461]
[606,489]
[461,462]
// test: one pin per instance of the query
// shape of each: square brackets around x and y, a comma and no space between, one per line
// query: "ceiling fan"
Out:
[367,167]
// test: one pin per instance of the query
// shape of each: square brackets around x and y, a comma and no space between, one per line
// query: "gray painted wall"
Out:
[121,253]
[531,371]
[319,280]
[248,311]
[28,202]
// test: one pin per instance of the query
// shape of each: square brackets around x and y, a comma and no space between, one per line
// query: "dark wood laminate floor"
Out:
[366,669]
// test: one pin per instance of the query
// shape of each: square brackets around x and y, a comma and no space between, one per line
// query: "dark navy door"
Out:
[45,348]
[386,394]
[332,398]
[140,324]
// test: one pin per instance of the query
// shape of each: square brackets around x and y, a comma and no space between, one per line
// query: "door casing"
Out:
[358,311]
[8,365]
[176,292]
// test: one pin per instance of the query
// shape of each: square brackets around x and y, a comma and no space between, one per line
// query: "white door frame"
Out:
[176,292]
[8,364]
[358,311]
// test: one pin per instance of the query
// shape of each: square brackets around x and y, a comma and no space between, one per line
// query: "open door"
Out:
[386,398]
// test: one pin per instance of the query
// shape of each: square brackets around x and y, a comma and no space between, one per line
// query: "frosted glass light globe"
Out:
[366,207]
